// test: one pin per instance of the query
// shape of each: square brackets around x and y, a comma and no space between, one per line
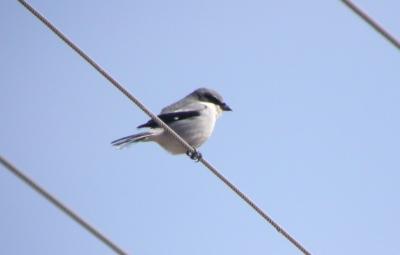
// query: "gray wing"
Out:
[183,109]
[185,104]
[171,117]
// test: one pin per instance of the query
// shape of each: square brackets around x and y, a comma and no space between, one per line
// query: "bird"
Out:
[193,118]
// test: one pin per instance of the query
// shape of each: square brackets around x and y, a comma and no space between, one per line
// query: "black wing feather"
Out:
[170,117]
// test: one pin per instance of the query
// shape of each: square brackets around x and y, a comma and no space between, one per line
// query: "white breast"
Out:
[195,130]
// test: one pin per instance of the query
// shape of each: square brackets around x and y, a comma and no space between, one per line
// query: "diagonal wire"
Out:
[373,23]
[166,128]
[106,75]
[61,206]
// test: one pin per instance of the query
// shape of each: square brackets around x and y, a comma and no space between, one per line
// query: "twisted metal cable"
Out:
[373,23]
[61,206]
[192,152]
[106,75]
[255,207]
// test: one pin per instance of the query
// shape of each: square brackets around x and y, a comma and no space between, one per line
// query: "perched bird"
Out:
[193,118]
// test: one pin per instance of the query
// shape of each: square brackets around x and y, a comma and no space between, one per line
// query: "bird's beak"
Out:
[225,107]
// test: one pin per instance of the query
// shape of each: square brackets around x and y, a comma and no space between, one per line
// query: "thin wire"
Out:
[61,206]
[373,23]
[165,126]
[255,207]
[106,75]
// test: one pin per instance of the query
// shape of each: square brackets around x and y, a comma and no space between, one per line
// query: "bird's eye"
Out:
[211,98]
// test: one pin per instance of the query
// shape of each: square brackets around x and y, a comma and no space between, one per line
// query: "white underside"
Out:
[194,130]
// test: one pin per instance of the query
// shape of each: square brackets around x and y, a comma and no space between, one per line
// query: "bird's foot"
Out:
[195,155]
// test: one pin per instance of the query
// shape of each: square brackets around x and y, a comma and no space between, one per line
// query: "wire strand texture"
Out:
[192,152]
[61,206]
[372,23]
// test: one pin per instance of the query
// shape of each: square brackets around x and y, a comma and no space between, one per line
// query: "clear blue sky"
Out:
[313,138]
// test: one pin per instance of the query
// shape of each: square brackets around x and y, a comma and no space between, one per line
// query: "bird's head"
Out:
[210,96]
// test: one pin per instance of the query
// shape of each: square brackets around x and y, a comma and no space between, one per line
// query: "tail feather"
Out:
[127,140]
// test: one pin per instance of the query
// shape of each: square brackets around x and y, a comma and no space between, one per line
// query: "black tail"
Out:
[127,140]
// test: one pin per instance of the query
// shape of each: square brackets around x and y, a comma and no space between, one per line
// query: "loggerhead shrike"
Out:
[193,118]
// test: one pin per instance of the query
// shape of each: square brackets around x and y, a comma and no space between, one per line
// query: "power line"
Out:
[373,23]
[255,207]
[61,206]
[107,76]
[192,152]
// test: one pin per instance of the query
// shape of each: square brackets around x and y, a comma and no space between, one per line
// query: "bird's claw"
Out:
[195,155]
